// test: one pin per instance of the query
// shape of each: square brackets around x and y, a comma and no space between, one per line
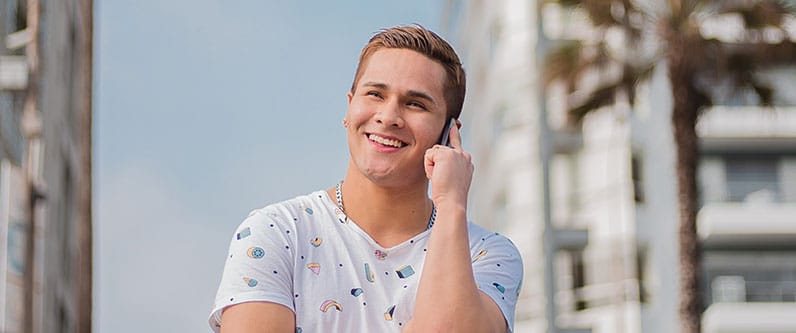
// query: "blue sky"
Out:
[204,110]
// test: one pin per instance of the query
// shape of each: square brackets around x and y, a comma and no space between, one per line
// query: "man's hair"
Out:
[424,41]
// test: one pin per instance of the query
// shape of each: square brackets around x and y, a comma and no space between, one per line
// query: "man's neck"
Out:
[389,214]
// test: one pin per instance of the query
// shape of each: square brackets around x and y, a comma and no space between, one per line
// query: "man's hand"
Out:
[448,299]
[450,170]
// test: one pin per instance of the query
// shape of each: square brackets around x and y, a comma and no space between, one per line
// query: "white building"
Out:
[601,253]
[748,218]
[45,166]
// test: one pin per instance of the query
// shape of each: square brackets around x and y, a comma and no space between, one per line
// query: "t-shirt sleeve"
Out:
[498,271]
[259,265]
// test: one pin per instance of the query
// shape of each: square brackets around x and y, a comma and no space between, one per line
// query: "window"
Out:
[642,274]
[570,272]
[638,180]
[578,278]
[21,15]
[749,276]
[752,178]
[11,140]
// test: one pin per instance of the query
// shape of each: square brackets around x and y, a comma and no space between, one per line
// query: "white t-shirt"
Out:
[306,255]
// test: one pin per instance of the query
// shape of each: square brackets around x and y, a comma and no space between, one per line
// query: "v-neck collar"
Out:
[350,223]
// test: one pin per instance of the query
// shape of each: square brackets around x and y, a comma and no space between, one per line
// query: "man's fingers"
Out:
[429,162]
[455,136]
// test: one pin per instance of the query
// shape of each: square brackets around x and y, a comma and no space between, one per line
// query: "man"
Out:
[375,253]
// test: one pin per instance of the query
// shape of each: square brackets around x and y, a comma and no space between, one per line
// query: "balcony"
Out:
[749,317]
[748,128]
[736,288]
[13,72]
[747,225]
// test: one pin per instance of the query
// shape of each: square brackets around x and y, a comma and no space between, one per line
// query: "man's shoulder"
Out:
[301,202]
[291,209]
[478,232]
[481,236]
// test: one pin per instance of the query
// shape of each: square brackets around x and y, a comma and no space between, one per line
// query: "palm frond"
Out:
[566,3]
[763,55]
[709,58]
[561,62]
[765,93]
[633,75]
[602,13]
[746,60]
[600,97]
[679,13]
[606,13]
[759,14]
[598,11]
[782,53]
[571,60]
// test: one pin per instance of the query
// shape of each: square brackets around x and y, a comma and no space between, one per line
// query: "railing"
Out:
[771,291]
[737,289]
[597,295]
[749,191]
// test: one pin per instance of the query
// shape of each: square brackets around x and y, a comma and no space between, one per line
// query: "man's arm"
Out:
[258,317]
[448,299]
[251,298]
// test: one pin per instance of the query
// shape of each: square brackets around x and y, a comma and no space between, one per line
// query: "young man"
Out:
[375,253]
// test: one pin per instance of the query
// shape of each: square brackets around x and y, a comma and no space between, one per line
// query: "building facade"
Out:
[594,210]
[45,165]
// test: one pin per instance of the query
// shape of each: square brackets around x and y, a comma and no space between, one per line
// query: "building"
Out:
[594,210]
[45,165]
[748,177]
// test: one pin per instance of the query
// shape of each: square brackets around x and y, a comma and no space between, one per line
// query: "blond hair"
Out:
[426,42]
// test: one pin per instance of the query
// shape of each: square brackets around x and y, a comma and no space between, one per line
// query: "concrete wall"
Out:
[500,116]
[63,76]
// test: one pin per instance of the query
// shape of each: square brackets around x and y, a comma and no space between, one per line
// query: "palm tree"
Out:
[672,33]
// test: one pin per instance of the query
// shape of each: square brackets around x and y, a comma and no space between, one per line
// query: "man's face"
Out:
[395,113]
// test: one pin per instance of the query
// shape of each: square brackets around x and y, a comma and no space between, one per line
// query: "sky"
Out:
[203,111]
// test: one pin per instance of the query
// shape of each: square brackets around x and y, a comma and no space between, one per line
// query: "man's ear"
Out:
[350,95]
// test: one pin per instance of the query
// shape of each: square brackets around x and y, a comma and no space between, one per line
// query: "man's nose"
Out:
[389,114]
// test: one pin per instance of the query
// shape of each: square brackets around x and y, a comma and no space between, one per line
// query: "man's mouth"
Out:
[385,141]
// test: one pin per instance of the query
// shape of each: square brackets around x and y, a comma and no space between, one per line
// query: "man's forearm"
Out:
[448,299]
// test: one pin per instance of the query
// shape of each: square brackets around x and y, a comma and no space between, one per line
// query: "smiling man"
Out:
[374,253]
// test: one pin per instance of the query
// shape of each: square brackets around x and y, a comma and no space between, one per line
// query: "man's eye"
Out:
[373,93]
[416,105]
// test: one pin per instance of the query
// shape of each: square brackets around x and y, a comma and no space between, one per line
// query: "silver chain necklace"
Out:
[339,194]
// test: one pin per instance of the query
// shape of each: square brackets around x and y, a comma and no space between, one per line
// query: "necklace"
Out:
[339,194]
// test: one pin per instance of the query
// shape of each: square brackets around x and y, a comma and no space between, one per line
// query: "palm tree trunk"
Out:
[687,102]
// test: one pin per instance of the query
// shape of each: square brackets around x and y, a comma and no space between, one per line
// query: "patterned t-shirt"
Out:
[306,255]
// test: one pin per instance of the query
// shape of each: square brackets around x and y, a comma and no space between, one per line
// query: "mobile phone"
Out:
[444,139]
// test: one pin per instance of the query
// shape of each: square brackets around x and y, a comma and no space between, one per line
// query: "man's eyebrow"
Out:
[410,93]
[375,85]
[421,95]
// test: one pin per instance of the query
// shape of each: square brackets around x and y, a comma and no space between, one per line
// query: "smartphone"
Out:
[445,139]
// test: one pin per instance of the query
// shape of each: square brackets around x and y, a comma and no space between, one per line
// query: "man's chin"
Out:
[380,176]
[387,179]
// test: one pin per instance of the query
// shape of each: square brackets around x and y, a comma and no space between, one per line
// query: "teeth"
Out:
[385,141]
